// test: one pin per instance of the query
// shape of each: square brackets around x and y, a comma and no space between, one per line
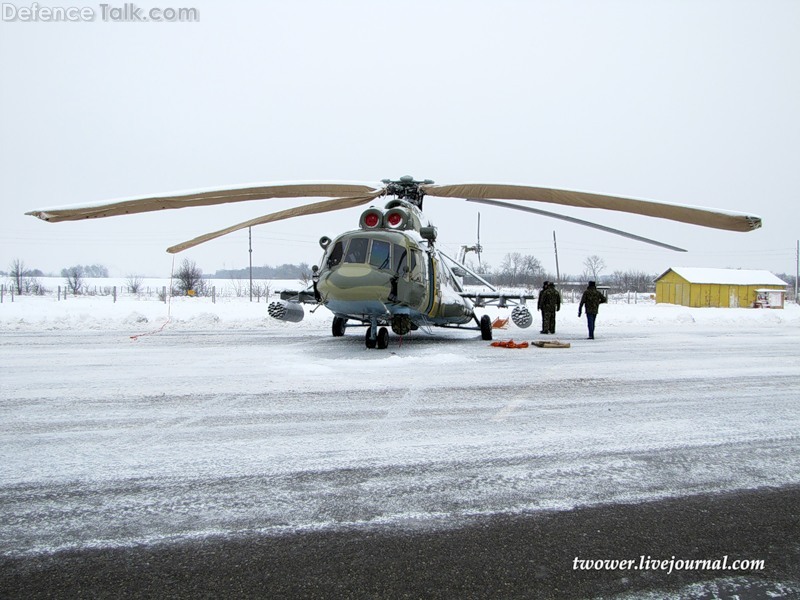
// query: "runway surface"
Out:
[298,465]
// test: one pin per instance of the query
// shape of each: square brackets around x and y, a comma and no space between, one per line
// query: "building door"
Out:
[687,295]
[734,297]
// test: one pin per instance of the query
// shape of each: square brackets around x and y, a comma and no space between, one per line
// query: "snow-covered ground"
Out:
[138,421]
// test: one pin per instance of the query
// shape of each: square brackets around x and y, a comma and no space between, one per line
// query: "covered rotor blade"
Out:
[547,213]
[307,209]
[142,204]
[707,217]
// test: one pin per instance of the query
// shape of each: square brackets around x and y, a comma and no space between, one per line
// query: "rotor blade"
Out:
[140,204]
[696,215]
[299,211]
[547,213]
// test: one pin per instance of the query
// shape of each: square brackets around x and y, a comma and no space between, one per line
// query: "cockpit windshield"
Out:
[381,254]
[357,250]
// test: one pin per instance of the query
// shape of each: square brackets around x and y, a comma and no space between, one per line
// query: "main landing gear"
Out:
[379,339]
[486,327]
[339,325]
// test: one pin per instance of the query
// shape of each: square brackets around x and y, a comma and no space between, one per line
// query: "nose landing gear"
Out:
[377,338]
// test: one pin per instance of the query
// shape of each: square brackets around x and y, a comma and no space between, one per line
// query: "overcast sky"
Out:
[694,102]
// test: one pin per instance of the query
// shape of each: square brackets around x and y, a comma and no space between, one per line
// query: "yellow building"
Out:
[726,288]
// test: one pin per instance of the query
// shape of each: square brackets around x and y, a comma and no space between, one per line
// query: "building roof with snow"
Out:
[725,276]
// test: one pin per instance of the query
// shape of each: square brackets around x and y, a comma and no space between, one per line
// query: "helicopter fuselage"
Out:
[389,272]
[389,276]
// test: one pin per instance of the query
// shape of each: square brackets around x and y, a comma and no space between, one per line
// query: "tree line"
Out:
[515,270]
[525,270]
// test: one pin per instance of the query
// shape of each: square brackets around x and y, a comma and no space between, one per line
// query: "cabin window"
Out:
[446,276]
[400,254]
[418,263]
[379,256]
[335,256]
[357,250]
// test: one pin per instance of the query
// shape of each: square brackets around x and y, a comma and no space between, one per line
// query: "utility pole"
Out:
[250,248]
[797,273]
[555,246]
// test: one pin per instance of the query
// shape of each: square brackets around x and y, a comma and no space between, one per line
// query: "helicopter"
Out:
[389,272]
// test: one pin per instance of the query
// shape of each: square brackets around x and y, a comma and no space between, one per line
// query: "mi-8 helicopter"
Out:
[389,272]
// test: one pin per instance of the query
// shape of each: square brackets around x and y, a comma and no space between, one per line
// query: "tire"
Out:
[339,325]
[486,328]
[369,341]
[383,338]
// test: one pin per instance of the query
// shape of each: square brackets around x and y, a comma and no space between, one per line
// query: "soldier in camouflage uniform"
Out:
[540,303]
[592,298]
[551,303]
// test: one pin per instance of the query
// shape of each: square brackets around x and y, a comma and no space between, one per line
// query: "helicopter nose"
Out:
[350,273]
[350,280]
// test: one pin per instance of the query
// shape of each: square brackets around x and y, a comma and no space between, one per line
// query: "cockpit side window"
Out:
[400,262]
[418,263]
[357,250]
[379,255]
[335,256]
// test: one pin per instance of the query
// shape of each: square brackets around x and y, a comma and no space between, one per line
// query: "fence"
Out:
[260,292]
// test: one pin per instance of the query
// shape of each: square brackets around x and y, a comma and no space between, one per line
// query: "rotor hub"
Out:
[407,188]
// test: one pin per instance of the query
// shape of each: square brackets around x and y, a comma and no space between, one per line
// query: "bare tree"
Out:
[532,270]
[518,269]
[632,281]
[17,274]
[261,290]
[238,286]
[189,276]
[74,277]
[135,284]
[305,274]
[593,266]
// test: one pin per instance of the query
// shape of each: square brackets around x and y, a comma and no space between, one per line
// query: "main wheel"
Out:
[383,338]
[368,339]
[339,325]
[486,327]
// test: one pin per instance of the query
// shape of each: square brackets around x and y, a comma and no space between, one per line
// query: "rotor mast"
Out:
[407,188]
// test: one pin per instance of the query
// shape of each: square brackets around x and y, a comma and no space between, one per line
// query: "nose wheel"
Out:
[377,339]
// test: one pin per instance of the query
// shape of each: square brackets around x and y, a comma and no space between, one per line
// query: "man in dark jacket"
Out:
[551,303]
[540,305]
[592,298]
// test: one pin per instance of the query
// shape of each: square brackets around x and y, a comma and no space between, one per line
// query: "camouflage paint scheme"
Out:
[381,273]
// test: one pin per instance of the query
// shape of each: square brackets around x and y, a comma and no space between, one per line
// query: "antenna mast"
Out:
[250,248]
[555,247]
[797,273]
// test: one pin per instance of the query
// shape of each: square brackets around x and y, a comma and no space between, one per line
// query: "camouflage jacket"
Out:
[551,300]
[592,299]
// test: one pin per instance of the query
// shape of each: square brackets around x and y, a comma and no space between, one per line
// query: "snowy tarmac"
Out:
[225,424]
